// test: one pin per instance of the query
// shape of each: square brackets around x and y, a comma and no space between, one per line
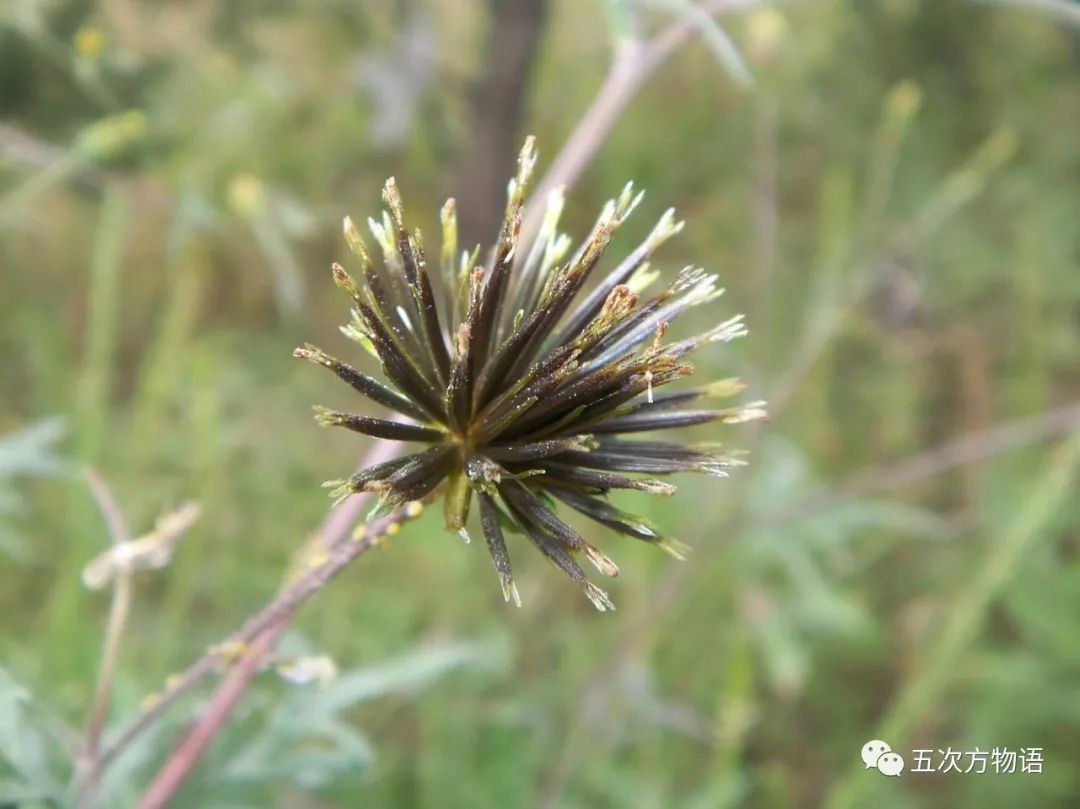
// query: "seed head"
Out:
[521,379]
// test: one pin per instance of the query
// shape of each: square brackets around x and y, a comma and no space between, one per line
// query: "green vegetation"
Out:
[893,203]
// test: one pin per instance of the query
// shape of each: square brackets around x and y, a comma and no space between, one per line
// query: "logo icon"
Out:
[878,755]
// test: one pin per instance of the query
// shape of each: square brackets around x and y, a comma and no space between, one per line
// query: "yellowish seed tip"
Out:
[325,417]
[448,213]
[392,198]
[355,241]
[658,487]
[341,278]
[601,561]
[413,508]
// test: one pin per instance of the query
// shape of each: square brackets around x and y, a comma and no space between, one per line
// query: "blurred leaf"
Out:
[29,452]
[126,777]
[407,674]
[306,737]
[26,747]
[793,565]
[17,793]
[1036,605]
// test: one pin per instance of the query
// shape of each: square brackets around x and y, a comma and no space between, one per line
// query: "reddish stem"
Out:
[195,744]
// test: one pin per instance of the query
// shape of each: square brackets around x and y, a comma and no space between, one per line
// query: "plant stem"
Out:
[118,612]
[256,639]
[18,200]
[188,753]
[634,63]
[119,608]
[333,532]
[281,607]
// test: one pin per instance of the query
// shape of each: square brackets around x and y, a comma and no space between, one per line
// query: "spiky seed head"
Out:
[523,380]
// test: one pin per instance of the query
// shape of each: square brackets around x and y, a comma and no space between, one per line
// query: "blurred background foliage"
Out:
[893,203]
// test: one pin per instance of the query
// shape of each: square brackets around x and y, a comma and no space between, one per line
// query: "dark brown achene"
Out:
[520,385]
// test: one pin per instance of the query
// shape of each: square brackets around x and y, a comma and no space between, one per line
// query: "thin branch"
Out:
[963,451]
[334,540]
[110,509]
[22,148]
[187,755]
[56,164]
[249,647]
[635,61]
[119,608]
[765,214]
[333,533]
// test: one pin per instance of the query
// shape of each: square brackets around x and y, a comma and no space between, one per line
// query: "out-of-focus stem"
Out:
[333,534]
[187,755]
[765,215]
[119,608]
[635,61]
[252,644]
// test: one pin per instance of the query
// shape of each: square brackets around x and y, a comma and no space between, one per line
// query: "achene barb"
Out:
[523,376]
